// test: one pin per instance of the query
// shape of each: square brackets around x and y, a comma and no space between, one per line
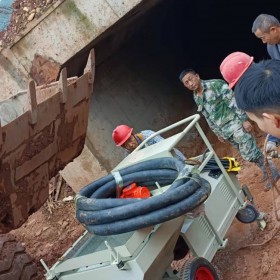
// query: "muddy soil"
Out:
[251,253]
[50,231]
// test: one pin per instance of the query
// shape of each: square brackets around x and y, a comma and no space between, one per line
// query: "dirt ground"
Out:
[251,253]
[49,232]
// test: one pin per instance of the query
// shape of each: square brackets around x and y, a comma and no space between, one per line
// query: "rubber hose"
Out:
[109,189]
[152,218]
[130,210]
[162,163]
[114,216]
[89,204]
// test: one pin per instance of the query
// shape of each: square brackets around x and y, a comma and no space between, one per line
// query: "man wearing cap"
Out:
[215,100]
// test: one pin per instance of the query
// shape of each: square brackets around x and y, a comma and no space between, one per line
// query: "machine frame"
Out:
[147,253]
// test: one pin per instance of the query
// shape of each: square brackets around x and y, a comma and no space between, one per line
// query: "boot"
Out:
[274,171]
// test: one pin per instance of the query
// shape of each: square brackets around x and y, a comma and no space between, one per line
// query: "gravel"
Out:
[24,12]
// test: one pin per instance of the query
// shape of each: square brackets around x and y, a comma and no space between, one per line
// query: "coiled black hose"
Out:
[104,215]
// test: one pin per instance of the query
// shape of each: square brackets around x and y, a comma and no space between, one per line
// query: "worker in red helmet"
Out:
[232,68]
[124,137]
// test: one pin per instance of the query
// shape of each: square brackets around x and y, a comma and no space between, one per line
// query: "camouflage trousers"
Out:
[245,143]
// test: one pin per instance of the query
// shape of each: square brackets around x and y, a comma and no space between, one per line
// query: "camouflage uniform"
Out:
[225,119]
[141,136]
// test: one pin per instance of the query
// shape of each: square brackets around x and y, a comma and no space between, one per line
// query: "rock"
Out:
[48,2]
[31,17]
[26,9]
[68,198]
[45,228]
[64,224]
[38,232]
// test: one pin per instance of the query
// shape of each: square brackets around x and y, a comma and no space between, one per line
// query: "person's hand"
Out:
[221,139]
[247,126]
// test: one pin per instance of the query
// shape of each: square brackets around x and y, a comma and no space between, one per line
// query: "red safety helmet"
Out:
[121,133]
[234,65]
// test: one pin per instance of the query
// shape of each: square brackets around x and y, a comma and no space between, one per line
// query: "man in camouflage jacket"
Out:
[215,100]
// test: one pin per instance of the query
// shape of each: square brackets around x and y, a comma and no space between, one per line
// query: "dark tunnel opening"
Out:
[186,33]
[139,59]
[200,34]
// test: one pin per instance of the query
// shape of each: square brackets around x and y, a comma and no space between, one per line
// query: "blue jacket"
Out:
[144,134]
[274,51]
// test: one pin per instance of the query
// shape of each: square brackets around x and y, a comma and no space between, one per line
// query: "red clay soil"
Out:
[251,254]
[49,232]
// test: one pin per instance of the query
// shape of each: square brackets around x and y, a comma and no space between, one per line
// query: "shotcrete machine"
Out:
[139,238]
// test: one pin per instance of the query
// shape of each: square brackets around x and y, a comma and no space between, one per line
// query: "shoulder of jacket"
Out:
[214,81]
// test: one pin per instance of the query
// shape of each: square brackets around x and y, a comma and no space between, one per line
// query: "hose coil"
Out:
[103,214]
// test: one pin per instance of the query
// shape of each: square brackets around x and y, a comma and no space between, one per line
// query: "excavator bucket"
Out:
[42,129]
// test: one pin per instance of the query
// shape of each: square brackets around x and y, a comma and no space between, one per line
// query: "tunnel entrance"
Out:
[138,65]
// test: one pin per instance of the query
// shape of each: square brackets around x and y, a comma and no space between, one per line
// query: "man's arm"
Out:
[240,113]
[233,106]
[229,98]
[215,128]
[147,133]
[158,138]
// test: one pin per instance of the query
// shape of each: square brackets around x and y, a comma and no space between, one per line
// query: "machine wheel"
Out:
[199,269]
[15,264]
[247,215]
